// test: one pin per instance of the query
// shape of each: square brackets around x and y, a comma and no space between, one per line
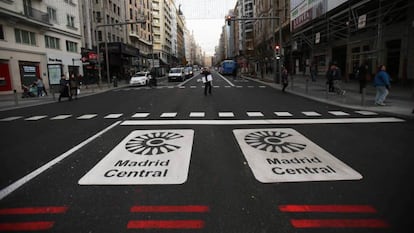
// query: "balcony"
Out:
[37,15]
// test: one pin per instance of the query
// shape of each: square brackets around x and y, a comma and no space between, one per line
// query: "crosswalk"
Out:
[187,87]
[192,115]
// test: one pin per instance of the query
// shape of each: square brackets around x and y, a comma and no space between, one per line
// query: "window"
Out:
[25,37]
[52,42]
[99,35]
[1,32]
[71,46]
[52,14]
[71,21]
[98,16]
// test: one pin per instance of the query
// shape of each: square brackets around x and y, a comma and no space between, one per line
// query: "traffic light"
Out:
[228,19]
[277,49]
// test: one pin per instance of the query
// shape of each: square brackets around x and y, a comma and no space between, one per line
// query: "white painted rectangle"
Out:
[284,155]
[141,115]
[255,114]
[61,117]
[197,114]
[87,117]
[145,157]
[226,114]
[283,114]
[35,118]
[338,113]
[113,116]
[311,114]
[169,115]
[11,118]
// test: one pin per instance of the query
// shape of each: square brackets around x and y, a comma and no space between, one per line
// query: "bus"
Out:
[228,67]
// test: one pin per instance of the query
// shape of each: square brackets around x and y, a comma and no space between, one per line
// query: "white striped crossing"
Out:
[35,118]
[61,117]
[87,116]
[113,116]
[11,118]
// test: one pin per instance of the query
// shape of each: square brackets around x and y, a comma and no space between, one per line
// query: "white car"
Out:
[140,79]
[176,74]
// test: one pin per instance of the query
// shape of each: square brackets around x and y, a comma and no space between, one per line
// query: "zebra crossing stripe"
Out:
[226,114]
[61,117]
[113,116]
[87,117]
[141,115]
[197,114]
[338,113]
[169,114]
[35,118]
[311,114]
[255,114]
[283,114]
[11,118]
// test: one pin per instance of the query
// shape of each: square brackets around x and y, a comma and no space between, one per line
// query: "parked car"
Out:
[176,74]
[140,79]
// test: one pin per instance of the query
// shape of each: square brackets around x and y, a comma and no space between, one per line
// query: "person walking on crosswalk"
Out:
[207,79]
[382,84]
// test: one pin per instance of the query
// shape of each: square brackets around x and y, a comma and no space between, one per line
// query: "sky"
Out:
[205,18]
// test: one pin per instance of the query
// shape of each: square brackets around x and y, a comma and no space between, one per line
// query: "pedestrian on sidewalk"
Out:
[207,79]
[362,75]
[285,78]
[64,88]
[334,78]
[382,84]
[74,86]
[40,87]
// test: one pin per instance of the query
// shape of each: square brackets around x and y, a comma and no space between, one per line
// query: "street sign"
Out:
[145,157]
[284,155]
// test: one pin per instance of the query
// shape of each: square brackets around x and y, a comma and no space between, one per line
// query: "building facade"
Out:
[38,39]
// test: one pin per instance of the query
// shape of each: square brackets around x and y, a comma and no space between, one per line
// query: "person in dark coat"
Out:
[207,81]
[285,78]
[64,88]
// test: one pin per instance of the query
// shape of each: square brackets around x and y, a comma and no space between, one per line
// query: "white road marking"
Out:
[311,114]
[197,114]
[193,86]
[284,155]
[141,115]
[366,113]
[61,117]
[338,113]
[264,121]
[87,116]
[35,118]
[255,114]
[11,118]
[113,116]
[225,79]
[283,114]
[168,115]
[226,114]
[17,184]
[262,86]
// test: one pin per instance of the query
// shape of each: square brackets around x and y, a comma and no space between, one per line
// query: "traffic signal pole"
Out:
[277,58]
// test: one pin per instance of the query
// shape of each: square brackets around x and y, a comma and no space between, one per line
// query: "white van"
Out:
[176,74]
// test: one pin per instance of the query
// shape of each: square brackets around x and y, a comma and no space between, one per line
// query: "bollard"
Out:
[16,99]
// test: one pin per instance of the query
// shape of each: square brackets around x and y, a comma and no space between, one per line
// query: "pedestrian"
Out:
[285,78]
[74,86]
[362,75]
[207,79]
[382,84]
[64,88]
[40,87]
[334,78]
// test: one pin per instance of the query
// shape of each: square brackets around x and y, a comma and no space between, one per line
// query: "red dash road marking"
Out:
[165,224]
[328,208]
[26,226]
[169,209]
[34,210]
[339,223]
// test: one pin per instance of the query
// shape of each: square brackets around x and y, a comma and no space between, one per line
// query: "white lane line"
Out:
[61,117]
[197,114]
[311,114]
[113,116]
[366,113]
[338,113]
[226,114]
[255,114]
[11,118]
[193,86]
[262,86]
[87,116]
[283,114]
[225,79]
[168,115]
[227,86]
[11,188]
[264,121]
[35,118]
[141,115]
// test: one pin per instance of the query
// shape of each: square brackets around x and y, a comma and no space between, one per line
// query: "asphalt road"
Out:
[246,159]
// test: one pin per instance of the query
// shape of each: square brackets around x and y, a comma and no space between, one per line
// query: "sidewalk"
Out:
[15,101]
[400,101]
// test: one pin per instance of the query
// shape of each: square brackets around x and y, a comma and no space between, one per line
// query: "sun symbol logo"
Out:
[273,141]
[153,143]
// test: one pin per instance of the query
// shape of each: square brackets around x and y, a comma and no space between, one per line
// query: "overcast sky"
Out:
[205,18]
